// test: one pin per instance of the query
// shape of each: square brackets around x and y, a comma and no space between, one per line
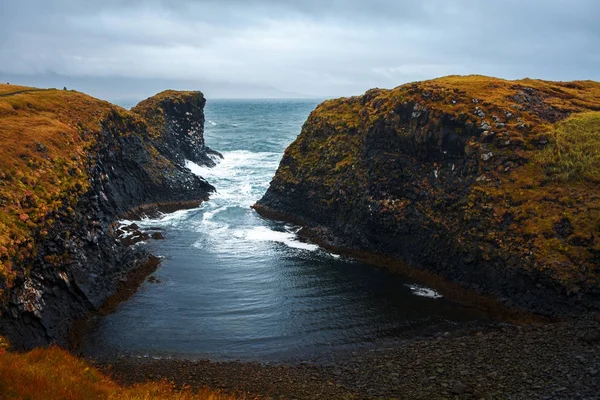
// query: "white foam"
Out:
[423,291]
[264,234]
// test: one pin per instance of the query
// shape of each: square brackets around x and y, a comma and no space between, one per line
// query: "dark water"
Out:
[235,286]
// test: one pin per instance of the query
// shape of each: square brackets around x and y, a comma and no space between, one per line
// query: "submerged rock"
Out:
[71,165]
[436,189]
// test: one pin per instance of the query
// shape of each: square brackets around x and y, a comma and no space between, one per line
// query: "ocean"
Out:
[235,286]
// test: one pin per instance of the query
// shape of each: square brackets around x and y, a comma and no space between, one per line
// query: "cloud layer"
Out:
[319,48]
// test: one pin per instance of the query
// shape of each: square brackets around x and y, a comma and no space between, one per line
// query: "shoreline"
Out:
[530,357]
[479,360]
[147,264]
[558,360]
[450,290]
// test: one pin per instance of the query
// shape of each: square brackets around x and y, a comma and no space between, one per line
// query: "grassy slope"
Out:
[53,373]
[526,192]
[43,160]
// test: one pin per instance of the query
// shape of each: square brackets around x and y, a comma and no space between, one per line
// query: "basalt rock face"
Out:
[71,166]
[179,119]
[452,176]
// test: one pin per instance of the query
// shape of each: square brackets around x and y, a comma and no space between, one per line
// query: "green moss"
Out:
[574,153]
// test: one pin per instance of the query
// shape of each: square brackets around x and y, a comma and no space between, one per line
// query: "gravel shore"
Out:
[558,360]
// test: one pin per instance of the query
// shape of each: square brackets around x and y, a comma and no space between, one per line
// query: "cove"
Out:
[233,285]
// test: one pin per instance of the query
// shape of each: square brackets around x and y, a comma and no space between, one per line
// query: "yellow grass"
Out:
[53,374]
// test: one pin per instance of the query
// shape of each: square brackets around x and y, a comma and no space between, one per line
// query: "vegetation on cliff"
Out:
[53,373]
[45,135]
[574,151]
[471,176]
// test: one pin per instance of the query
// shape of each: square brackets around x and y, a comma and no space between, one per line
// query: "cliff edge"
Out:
[71,165]
[489,183]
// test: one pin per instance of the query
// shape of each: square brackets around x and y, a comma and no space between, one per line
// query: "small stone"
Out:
[459,388]
[591,337]
[487,156]
[593,372]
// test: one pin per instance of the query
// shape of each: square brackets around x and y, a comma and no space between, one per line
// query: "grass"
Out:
[574,154]
[55,374]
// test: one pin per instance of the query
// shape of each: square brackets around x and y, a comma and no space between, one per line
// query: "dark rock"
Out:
[422,188]
[459,389]
[157,236]
[591,337]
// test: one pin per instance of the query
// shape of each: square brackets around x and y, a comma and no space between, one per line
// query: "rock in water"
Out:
[417,173]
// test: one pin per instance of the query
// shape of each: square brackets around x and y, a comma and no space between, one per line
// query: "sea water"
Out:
[233,285]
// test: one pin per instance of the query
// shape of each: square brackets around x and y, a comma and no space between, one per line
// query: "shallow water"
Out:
[233,285]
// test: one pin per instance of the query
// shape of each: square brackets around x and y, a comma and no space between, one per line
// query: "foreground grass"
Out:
[54,373]
[575,152]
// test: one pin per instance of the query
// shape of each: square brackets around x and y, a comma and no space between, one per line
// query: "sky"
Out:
[130,49]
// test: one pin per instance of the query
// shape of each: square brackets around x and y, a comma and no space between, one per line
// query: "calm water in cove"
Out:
[233,285]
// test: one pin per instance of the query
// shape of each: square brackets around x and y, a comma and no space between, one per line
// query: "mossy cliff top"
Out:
[155,108]
[178,117]
[476,178]
[50,141]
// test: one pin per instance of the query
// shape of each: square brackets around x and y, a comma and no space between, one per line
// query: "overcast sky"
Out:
[266,48]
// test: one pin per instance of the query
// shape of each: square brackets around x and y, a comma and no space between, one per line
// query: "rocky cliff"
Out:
[489,183]
[70,166]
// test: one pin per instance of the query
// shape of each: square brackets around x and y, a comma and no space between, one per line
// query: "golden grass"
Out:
[574,153]
[6,89]
[53,374]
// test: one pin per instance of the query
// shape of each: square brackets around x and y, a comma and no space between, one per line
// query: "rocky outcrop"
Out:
[455,176]
[72,165]
[178,118]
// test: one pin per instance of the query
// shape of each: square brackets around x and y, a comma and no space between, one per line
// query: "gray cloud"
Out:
[320,48]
